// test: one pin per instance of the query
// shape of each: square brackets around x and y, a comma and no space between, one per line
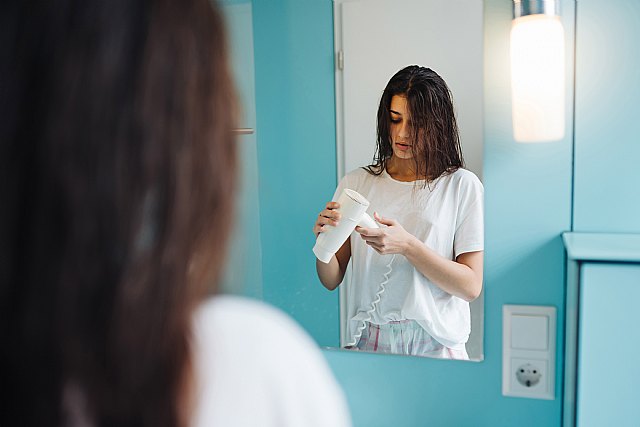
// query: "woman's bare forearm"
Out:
[456,278]
[330,274]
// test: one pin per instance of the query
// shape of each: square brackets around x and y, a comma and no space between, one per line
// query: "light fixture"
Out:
[537,71]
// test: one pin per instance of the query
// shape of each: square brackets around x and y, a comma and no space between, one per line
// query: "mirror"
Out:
[445,36]
[370,46]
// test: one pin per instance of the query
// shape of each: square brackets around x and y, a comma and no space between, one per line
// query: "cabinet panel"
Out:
[609,344]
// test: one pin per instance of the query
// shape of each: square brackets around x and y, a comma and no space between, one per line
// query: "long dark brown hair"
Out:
[434,130]
[117,167]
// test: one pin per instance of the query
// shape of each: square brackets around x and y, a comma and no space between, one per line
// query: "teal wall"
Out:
[528,205]
[293,42]
[607,173]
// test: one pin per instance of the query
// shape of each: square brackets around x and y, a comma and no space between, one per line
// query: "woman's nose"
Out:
[403,132]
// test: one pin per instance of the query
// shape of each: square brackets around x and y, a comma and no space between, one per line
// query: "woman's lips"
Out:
[403,147]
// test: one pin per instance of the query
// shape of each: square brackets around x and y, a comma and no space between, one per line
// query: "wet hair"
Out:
[117,165]
[434,130]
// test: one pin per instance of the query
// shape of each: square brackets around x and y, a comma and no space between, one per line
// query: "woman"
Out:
[118,170]
[430,245]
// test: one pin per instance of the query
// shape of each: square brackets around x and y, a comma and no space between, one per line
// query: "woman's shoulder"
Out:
[464,178]
[228,307]
[359,176]
[359,173]
[465,175]
[248,354]
[251,324]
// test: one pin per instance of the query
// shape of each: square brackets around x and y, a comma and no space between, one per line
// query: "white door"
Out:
[377,38]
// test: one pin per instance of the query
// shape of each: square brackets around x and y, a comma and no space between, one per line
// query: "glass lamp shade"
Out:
[538,78]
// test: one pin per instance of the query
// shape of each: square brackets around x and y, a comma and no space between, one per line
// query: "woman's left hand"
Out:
[392,239]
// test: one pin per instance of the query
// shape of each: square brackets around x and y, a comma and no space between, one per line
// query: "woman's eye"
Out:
[395,120]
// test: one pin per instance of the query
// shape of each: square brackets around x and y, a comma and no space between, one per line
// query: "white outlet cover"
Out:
[527,339]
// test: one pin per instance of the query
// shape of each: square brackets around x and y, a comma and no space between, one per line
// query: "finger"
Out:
[370,232]
[362,231]
[333,205]
[375,247]
[380,248]
[322,220]
[385,221]
[331,214]
[373,240]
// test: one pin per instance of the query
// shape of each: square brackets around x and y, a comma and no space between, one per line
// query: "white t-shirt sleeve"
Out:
[255,367]
[469,234]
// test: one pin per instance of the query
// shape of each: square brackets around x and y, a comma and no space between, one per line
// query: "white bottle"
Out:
[353,211]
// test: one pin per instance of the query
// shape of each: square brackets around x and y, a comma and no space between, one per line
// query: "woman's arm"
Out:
[462,277]
[331,274]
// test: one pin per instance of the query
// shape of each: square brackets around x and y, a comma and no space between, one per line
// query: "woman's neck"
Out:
[402,169]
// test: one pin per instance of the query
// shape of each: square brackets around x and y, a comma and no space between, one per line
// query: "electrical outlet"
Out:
[528,355]
[529,377]
[528,374]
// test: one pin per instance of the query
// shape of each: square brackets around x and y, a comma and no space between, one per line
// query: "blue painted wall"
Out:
[528,205]
[607,177]
[293,41]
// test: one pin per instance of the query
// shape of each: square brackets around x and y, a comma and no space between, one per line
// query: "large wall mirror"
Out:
[376,38]
[373,40]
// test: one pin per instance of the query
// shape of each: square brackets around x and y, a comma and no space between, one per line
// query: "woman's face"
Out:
[400,129]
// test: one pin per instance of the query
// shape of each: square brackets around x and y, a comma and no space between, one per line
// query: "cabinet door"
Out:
[244,262]
[609,345]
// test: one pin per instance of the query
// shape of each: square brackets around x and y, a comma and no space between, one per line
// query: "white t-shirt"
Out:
[447,216]
[256,367]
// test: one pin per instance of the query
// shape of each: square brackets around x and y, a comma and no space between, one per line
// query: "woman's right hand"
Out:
[329,216]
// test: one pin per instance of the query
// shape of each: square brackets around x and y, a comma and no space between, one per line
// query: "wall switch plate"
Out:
[528,351]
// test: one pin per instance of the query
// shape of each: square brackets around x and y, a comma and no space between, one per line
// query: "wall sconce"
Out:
[537,71]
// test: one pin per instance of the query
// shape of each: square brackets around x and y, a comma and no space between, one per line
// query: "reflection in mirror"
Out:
[444,35]
[406,281]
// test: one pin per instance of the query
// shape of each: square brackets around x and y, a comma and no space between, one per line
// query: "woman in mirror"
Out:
[118,173]
[428,251]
